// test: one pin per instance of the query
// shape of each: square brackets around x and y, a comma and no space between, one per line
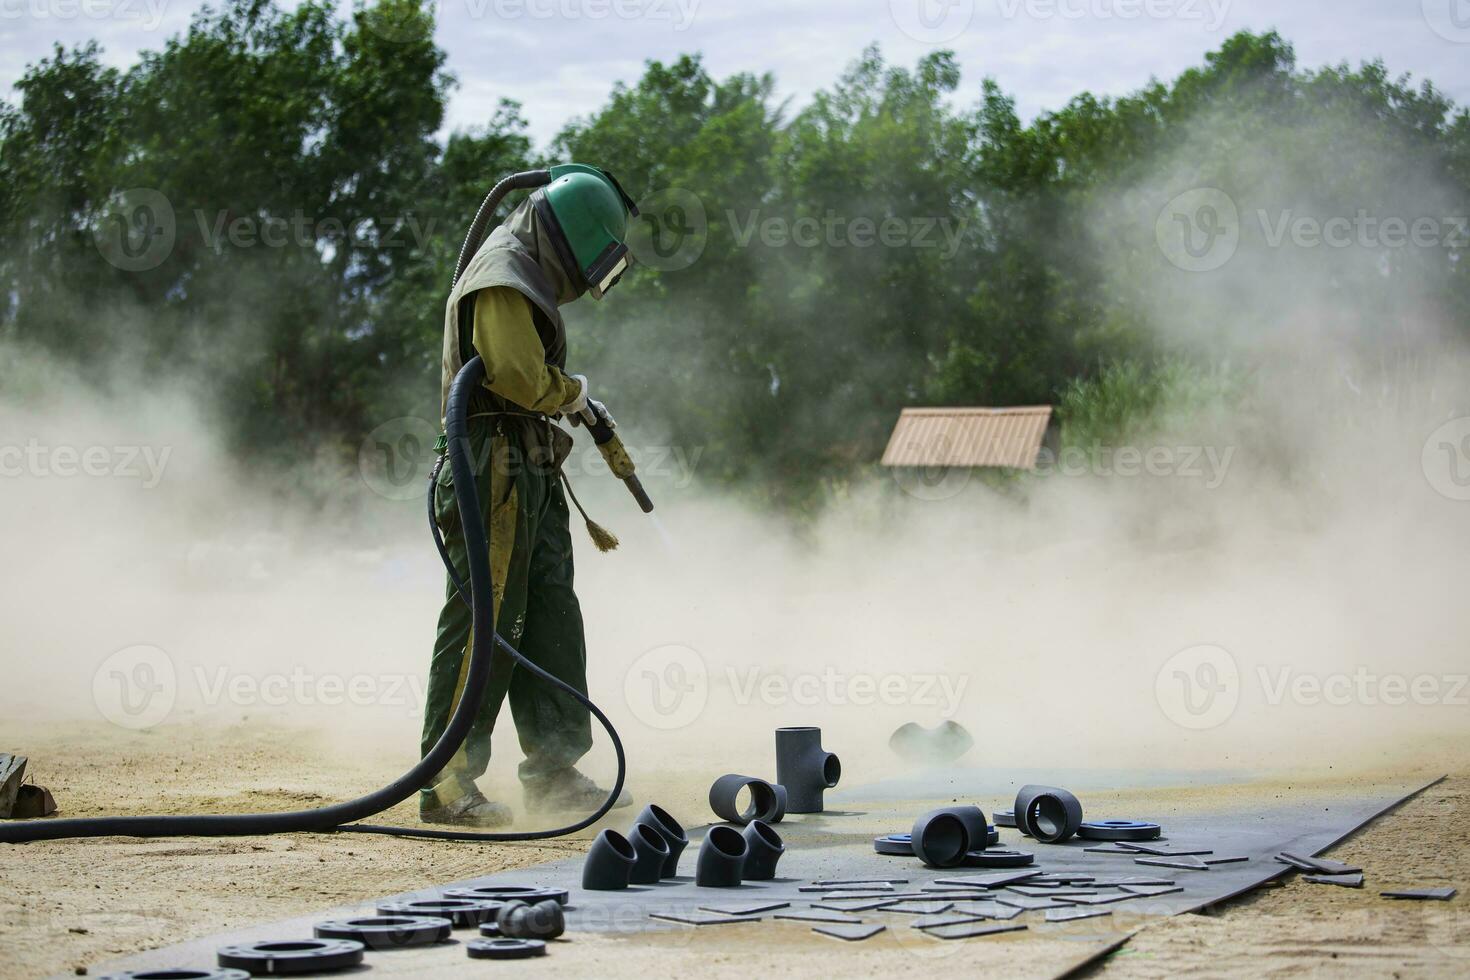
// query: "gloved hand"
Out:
[577,405]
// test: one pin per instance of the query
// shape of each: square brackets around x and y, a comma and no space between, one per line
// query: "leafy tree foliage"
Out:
[896,241]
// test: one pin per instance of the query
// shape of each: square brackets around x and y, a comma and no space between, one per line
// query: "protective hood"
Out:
[518,254]
[525,225]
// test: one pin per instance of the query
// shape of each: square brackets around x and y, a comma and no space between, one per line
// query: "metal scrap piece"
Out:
[987,910]
[944,919]
[1321,866]
[1158,851]
[1344,881]
[1423,894]
[1149,891]
[1053,891]
[851,934]
[972,930]
[855,906]
[1106,899]
[1029,904]
[702,918]
[837,918]
[1063,878]
[915,907]
[997,880]
[1183,863]
[746,909]
[1072,915]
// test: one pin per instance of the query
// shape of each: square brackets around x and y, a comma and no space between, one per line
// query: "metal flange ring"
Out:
[504,949]
[1003,818]
[292,956]
[999,858]
[462,912]
[504,893]
[894,845]
[1134,830]
[388,931]
[179,973]
[902,845]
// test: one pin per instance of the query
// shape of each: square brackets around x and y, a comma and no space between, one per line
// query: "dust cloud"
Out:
[1274,582]
[1077,621]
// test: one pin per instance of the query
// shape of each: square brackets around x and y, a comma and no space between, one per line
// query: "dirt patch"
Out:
[1303,929]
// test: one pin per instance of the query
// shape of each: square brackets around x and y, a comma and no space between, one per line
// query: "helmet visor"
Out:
[608,269]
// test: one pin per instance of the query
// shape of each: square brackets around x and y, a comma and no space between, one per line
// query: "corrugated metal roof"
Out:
[963,437]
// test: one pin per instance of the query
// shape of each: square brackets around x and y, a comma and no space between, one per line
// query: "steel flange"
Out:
[388,931]
[1127,830]
[999,858]
[504,949]
[504,893]
[462,912]
[292,956]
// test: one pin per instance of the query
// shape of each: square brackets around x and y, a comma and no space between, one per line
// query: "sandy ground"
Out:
[65,906]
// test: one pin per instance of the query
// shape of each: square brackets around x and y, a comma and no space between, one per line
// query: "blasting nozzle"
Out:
[600,423]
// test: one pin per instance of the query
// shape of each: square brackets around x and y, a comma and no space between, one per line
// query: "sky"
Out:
[560,57]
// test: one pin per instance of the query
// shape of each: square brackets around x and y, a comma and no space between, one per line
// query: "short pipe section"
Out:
[721,861]
[767,802]
[1048,813]
[609,862]
[804,768]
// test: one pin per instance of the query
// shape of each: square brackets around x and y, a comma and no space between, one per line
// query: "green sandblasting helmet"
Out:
[585,212]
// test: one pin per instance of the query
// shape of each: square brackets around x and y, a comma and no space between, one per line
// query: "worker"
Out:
[567,239]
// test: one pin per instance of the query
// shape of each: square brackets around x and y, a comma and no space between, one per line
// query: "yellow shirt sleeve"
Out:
[515,360]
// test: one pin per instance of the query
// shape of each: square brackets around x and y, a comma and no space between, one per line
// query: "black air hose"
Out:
[338,816]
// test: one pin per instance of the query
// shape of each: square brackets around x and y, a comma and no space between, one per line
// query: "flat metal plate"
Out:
[836,848]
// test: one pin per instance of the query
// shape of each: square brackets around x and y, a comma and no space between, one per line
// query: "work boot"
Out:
[567,789]
[470,810]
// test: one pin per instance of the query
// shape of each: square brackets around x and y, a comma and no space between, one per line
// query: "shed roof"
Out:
[967,437]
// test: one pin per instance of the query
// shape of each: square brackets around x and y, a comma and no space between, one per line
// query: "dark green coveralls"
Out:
[505,305]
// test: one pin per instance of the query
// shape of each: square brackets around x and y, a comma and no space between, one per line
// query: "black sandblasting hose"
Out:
[521,181]
[339,816]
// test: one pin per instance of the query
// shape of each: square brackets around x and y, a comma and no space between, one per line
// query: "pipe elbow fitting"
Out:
[609,862]
[721,861]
